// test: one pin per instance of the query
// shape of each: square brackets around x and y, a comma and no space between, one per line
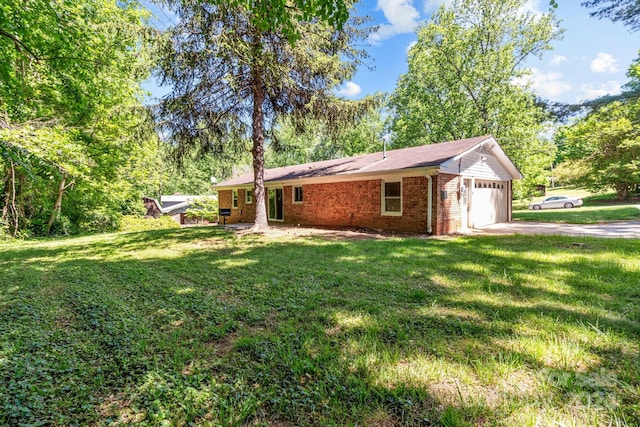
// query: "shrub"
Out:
[136,223]
[205,208]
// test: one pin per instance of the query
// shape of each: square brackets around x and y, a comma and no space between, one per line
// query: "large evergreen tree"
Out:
[463,80]
[232,79]
[626,11]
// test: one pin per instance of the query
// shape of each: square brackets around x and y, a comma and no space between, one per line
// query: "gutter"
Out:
[330,179]
[429,202]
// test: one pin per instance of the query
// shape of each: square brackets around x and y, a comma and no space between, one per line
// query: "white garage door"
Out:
[489,203]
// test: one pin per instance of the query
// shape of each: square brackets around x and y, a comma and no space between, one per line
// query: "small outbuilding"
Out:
[175,206]
[438,189]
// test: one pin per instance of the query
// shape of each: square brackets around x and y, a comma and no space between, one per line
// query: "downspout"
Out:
[429,202]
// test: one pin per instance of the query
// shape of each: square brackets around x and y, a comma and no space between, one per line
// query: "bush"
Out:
[204,209]
[99,221]
[136,223]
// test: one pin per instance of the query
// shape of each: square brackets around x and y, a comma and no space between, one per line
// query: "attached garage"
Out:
[489,203]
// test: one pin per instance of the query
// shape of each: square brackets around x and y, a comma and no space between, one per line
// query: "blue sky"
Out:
[590,61]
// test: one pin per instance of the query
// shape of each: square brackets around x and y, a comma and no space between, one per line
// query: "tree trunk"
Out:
[257,135]
[57,206]
[622,190]
[12,202]
[7,195]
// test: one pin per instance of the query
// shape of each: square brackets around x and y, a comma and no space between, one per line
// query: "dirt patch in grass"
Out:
[329,233]
[120,407]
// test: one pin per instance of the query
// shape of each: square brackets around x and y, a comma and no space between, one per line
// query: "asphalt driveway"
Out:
[618,229]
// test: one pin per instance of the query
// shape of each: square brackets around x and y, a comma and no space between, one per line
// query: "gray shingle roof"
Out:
[404,158]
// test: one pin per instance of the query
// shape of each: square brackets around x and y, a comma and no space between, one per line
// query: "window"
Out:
[248,196]
[297,194]
[234,199]
[275,204]
[391,198]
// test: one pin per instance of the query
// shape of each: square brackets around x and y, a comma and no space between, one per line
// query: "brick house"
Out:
[438,189]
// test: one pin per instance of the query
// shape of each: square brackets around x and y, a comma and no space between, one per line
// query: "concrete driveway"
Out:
[618,229]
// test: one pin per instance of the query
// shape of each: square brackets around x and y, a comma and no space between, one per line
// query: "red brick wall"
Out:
[448,211]
[358,204]
[244,213]
[345,204]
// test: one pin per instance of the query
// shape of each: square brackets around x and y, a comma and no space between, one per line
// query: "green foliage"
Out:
[229,85]
[75,138]
[137,223]
[602,149]
[280,16]
[606,146]
[462,82]
[204,208]
[314,142]
[199,326]
[194,174]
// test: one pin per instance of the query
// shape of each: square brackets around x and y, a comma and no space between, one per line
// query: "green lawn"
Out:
[582,215]
[201,327]
[602,207]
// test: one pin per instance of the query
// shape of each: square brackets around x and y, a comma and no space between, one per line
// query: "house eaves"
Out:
[410,161]
[492,145]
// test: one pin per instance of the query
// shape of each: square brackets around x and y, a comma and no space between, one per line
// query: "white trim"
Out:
[235,197]
[248,193]
[492,145]
[368,176]
[269,201]
[293,195]
[383,197]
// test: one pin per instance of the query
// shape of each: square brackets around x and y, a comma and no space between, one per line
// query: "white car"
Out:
[554,202]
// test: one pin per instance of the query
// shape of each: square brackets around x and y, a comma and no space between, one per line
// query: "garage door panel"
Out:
[489,203]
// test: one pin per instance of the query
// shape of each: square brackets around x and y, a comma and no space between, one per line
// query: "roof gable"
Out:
[395,160]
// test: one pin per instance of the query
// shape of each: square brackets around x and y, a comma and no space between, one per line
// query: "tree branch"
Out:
[22,47]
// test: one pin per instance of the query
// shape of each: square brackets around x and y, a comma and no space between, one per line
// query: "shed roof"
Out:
[395,160]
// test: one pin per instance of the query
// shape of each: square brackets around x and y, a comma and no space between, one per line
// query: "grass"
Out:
[582,215]
[201,327]
[597,208]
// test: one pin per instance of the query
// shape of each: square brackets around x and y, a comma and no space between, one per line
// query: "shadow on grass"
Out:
[199,326]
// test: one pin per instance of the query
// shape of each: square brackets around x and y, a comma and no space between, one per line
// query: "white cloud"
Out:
[604,63]
[558,59]
[412,44]
[431,5]
[531,6]
[402,18]
[592,91]
[546,85]
[350,89]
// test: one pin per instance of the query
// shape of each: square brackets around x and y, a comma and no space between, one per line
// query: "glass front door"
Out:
[275,204]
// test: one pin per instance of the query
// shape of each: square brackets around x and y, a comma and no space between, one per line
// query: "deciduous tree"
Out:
[283,15]
[289,146]
[465,79]
[70,98]
[604,146]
